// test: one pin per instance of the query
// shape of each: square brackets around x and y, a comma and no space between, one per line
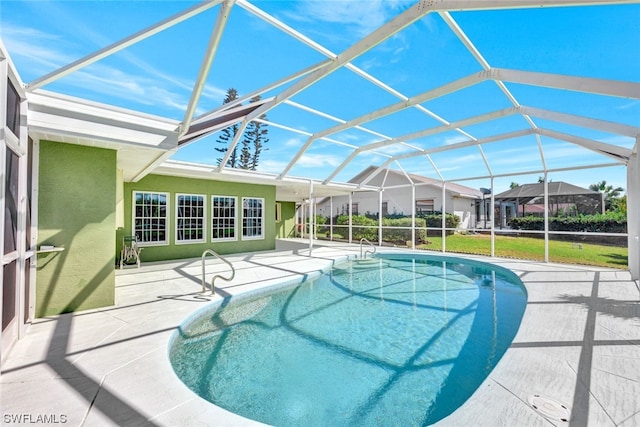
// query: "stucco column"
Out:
[633,211]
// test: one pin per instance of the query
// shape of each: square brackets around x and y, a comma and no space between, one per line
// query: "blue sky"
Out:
[157,75]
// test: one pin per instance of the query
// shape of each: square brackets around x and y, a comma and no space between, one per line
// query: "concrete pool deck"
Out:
[578,345]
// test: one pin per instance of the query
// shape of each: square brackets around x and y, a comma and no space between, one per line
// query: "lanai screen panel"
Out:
[346,64]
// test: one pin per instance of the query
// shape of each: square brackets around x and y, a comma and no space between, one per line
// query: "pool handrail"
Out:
[367,251]
[216,276]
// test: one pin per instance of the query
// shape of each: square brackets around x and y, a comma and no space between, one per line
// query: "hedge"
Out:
[601,223]
[365,227]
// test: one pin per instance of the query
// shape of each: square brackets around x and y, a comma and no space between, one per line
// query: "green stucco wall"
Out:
[76,211]
[286,226]
[175,185]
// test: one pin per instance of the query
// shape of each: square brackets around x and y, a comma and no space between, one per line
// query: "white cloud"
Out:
[455,139]
[42,53]
[362,17]
[293,142]
[628,105]
[621,141]
[32,46]
[319,160]
[391,150]
[271,166]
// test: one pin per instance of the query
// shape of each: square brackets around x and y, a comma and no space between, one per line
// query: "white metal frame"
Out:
[302,79]
[25,251]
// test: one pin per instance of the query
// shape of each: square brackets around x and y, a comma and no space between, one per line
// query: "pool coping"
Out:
[577,345]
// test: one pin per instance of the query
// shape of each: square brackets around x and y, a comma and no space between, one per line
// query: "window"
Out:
[223,218]
[252,218]
[385,208]
[13,109]
[150,217]
[11,202]
[424,206]
[354,209]
[189,218]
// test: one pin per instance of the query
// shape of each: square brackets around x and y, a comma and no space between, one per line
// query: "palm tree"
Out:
[611,193]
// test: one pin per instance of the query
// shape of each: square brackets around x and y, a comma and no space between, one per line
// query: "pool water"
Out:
[400,340]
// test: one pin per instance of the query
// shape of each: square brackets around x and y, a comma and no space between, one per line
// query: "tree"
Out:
[620,205]
[229,133]
[256,135]
[514,185]
[611,193]
[254,138]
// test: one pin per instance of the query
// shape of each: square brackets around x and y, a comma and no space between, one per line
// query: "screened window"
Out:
[13,109]
[252,218]
[190,218]
[11,202]
[150,217]
[223,218]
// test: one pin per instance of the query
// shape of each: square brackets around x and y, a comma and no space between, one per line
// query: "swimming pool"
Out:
[402,339]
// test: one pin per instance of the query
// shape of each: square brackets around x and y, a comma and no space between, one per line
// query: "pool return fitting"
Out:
[215,276]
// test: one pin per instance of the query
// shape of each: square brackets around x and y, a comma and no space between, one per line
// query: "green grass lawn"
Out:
[533,249]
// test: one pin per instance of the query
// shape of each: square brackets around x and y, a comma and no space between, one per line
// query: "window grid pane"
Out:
[150,217]
[252,217]
[190,218]
[223,218]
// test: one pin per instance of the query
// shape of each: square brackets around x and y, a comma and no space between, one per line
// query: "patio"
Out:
[578,345]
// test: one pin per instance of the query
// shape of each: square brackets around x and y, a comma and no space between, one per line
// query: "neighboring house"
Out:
[397,197]
[528,199]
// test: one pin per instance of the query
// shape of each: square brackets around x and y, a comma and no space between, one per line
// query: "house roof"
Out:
[380,178]
[530,192]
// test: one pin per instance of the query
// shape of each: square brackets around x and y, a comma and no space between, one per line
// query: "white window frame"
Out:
[261,218]
[167,218]
[178,218]
[235,219]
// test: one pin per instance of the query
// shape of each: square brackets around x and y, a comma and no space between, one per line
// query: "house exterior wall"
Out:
[286,227]
[76,200]
[178,185]
[399,201]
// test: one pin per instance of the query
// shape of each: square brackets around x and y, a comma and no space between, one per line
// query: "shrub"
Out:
[368,229]
[403,235]
[611,222]
[435,220]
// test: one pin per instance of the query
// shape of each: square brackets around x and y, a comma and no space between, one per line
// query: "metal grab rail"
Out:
[216,276]
[367,251]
